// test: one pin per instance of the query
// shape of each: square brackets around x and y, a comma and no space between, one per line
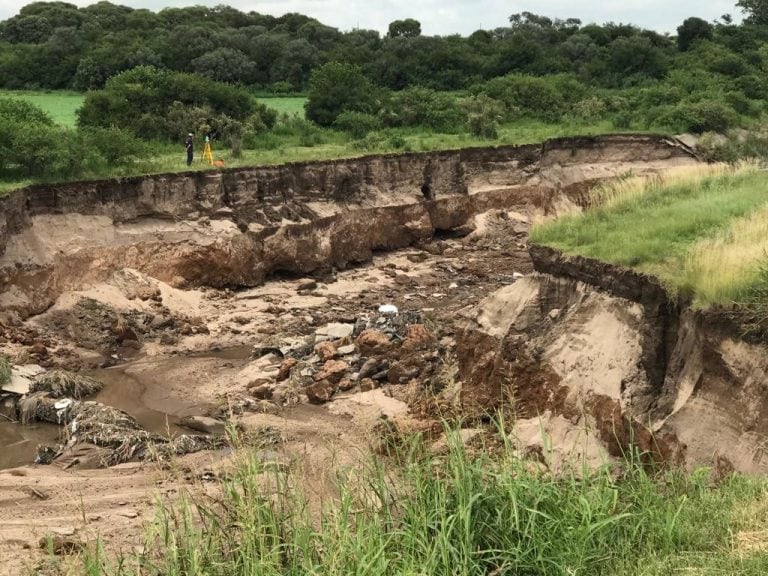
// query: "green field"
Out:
[702,230]
[288,105]
[63,105]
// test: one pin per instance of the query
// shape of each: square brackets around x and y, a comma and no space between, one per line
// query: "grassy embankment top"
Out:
[700,230]
[280,148]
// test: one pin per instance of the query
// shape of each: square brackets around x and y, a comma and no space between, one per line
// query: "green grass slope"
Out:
[699,230]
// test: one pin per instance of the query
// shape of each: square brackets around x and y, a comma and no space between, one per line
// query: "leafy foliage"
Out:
[153,103]
[337,87]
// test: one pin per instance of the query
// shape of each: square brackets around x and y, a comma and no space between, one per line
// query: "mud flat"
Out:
[251,297]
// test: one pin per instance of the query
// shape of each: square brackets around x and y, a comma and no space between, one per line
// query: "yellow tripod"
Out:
[207,152]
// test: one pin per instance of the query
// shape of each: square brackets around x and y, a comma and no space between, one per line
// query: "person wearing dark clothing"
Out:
[190,146]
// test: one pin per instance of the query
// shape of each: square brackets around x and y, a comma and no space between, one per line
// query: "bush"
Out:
[547,98]
[357,124]
[116,146]
[338,87]
[307,133]
[591,109]
[699,117]
[483,116]
[424,107]
[154,103]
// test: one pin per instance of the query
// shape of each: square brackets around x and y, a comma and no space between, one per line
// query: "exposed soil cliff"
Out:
[236,227]
[609,351]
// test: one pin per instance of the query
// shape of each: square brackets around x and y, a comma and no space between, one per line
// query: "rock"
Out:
[372,342]
[186,329]
[417,337]
[400,373]
[334,331]
[325,350]
[366,385]
[465,436]
[60,545]
[554,313]
[346,384]
[369,368]
[285,369]
[38,349]
[204,424]
[307,286]
[21,378]
[346,350]
[263,392]
[333,371]
[320,392]
[128,513]
[418,257]
[224,212]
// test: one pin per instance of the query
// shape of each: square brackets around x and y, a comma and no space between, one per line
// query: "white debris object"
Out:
[388,309]
[63,404]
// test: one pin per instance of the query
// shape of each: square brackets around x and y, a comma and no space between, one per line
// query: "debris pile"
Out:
[56,397]
[384,349]
[63,384]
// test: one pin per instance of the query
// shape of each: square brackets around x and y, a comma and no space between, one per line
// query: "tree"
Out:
[408,28]
[757,10]
[337,87]
[691,30]
[225,65]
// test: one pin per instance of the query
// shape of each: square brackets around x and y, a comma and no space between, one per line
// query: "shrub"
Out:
[547,98]
[152,103]
[117,146]
[483,116]
[357,124]
[592,108]
[699,117]
[338,87]
[424,107]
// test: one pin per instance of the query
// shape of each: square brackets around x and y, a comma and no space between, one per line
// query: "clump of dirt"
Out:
[97,326]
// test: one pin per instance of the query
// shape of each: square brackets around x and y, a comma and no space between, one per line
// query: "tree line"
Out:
[57,45]
[152,77]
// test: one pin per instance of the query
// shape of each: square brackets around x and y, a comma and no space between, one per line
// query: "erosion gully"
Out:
[253,295]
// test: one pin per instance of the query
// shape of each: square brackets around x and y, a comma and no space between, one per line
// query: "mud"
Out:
[252,296]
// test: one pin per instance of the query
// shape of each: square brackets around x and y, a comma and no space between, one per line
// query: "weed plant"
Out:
[459,514]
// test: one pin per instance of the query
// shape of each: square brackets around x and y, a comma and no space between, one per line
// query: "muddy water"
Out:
[18,444]
[128,393]
[143,396]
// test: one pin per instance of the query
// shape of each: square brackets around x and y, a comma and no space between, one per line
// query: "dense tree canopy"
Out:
[58,45]
[160,74]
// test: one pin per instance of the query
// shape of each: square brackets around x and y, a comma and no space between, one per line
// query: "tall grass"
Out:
[453,515]
[685,227]
[726,266]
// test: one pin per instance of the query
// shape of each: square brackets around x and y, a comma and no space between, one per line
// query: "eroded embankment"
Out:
[607,356]
[236,227]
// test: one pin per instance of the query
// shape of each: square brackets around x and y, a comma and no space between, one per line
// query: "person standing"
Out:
[189,144]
